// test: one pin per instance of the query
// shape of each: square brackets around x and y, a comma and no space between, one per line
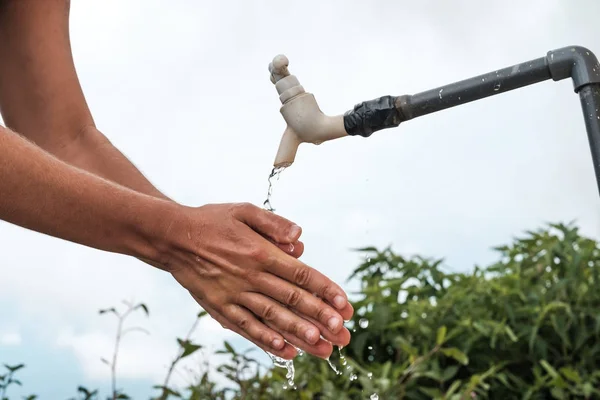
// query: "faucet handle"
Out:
[279,68]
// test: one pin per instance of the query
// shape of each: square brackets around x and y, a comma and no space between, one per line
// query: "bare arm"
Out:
[41,97]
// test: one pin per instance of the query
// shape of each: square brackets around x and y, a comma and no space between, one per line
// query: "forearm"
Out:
[93,152]
[41,193]
[41,97]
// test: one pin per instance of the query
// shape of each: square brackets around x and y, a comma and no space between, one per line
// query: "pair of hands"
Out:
[240,263]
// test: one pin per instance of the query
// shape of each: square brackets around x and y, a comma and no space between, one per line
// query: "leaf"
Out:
[189,348]
[108,310]
[456,354]
[143,307]
[551,371]
[449,373]
[202,314]
[441,335]
[229,348]
[511,334]
[570,374]
[453,388]
[14,368]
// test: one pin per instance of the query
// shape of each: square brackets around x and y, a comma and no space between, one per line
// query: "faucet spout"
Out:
[306,123]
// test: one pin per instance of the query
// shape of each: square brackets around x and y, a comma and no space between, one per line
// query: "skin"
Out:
[61,176]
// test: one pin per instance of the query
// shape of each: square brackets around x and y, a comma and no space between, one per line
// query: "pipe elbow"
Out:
[576,62]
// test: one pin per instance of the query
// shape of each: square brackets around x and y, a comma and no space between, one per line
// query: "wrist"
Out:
[154,227]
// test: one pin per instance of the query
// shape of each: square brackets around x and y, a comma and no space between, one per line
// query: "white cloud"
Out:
[10,339]
[184,91]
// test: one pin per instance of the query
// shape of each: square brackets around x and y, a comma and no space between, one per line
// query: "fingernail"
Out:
[333,323]
[294,232]
[310,335]
[339,301]
[277,343]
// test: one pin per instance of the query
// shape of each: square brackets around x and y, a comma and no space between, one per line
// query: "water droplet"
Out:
[333,367]
[353,377]
[368,259]
[440,93]
[370,347]
[370,375]
[363,323]
[374,396]
[288,365]
[497,87]
[198,258]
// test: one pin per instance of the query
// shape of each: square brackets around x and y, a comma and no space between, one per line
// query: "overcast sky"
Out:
[182,88]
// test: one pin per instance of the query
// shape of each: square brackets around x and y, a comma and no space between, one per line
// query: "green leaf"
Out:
[108,310]
[441,335]
[189,348]
[570,374]
[229,348]
[456,354]
[551,371]
[14,368]
[449,373]
[511,334]
[143,307]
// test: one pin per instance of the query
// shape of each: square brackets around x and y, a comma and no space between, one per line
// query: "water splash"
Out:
[289,366]
[275,173]
[337,372]
[374,396]
[363,323]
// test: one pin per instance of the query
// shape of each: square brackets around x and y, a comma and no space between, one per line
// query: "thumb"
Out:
[268,224]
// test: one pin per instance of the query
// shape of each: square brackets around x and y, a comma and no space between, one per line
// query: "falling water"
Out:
[278,361]
[289,364]
[274,174]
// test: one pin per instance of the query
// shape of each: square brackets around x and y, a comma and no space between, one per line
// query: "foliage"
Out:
[526,327]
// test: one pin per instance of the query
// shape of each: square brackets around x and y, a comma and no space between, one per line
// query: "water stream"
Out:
[289,364]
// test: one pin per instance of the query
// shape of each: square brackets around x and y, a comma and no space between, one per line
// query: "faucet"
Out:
[306,123]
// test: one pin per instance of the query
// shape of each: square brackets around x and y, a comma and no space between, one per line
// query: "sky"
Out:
[182,88]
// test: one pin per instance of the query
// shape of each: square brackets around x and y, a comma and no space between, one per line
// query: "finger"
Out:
[268,224]
[308,278]
[293,249]
[248,323]
[298,299]
[342,338]
[288,352]
[320,349]
[281,318]
[347,312]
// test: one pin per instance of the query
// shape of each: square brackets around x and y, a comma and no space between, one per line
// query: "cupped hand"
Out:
[240,264]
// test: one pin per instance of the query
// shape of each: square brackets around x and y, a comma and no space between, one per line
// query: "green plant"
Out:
[526,327]
[121,332]
[8,379]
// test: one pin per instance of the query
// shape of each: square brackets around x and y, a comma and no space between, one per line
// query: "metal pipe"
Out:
[476,88]
[307,124]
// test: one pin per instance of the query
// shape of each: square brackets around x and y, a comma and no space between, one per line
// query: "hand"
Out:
[230,258]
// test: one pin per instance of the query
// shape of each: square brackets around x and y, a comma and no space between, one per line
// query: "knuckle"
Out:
[269,313]
[292,298]
[302,276]
[325,290]
[260,254]
[294,328]
[243,323]
[322,312]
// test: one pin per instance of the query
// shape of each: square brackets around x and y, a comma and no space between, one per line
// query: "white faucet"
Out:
[306,123]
